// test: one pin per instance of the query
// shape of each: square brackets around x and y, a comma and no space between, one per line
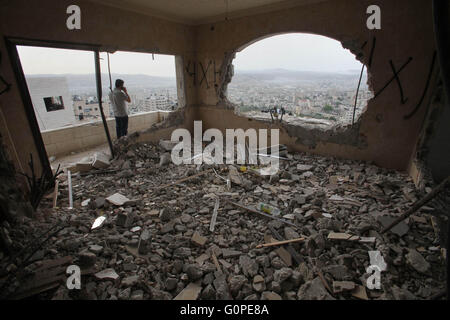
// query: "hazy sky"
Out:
[304,52]
[37,60]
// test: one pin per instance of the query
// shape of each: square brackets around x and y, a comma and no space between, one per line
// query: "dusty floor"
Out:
[158,244]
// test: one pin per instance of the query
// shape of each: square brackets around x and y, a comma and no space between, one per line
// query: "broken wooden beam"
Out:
[418,204]
[279,243]
[260,213]
[184,179]
[55,194]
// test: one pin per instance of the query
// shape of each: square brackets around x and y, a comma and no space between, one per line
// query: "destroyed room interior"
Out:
[352,211]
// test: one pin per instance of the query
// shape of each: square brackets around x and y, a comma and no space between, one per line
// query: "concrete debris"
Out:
[165,159]
[417,261]
[117,199]
[108,274]
[159,244]
[341,286]
[101,161]
[314,290]
[400,229]
[198,239]
[98,222]
[402,294]
[144,242]
[259,284]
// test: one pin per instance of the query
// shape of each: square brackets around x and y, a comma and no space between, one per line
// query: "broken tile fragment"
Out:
[108,274]
[191,292]
[198,240]
[117,199]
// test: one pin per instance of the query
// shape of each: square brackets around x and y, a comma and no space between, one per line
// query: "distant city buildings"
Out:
[55,106]
[325,100]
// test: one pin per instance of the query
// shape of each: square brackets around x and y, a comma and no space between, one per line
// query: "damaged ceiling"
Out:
[203,11]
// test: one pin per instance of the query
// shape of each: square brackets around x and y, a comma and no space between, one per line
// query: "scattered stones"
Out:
[161,245]
[125,219]
[194,272]
[289,233]
[144,242]
[236,283]
[314,290]
[198,239]
[130,281]
[182,253]
[249,266]
[282,274]
[402,294]
[417,261]
[171,284]
[228,253]
[259,285]
[125,294]
[87,259]
[165,215]
[137,295]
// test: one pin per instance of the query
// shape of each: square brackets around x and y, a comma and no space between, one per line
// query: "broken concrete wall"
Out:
[433,149]
[110,28]
[383,135]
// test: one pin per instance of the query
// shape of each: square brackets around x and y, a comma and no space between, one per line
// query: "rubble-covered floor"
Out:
[158,245]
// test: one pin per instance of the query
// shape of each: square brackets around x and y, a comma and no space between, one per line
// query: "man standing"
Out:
[118,97]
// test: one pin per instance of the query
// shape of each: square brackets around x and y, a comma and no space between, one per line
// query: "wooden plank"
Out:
[47,264]
[55,194]
[184,179]
[216,263]
[278,243]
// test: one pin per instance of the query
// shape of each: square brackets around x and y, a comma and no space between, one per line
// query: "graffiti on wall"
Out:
[396,77]
[199,72]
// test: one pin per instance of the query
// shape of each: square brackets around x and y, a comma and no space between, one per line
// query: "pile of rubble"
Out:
[185,232]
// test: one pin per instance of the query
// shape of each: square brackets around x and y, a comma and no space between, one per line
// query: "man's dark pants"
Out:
[121,126]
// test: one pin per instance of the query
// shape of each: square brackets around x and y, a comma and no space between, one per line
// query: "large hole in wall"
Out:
[302,79]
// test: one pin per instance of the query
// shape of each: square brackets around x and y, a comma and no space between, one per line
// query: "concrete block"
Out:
[101,160]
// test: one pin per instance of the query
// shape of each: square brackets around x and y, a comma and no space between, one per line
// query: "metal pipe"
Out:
[69,179]
[98,77]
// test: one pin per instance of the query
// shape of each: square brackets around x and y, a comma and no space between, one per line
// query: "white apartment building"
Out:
[158,102]
[52,101]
